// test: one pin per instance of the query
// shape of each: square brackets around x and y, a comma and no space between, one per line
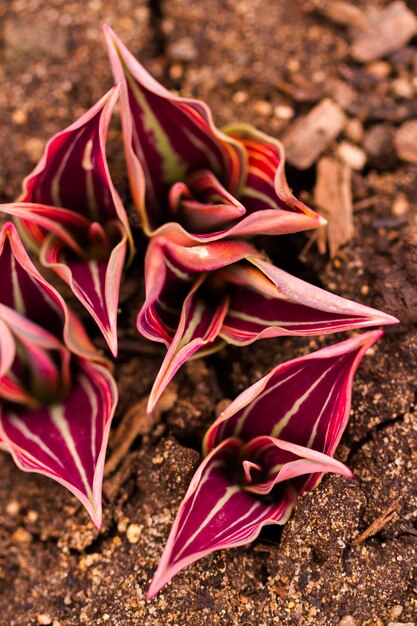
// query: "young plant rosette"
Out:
[199,298]
[190,179]
[56,399]
[71,214]
[270,445]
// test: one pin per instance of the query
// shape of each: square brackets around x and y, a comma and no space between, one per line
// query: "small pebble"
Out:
[402,88]
[19,117]
[379,69]
[240,97]
[183,50]
[133,533]
[21,535]
[400,204]
[352,155]
[406,141]
[262,107]
[347,620]
[13,508]
[284,112]
[32,516]
[34,148]
[176,71]
[396,610]
[44,619]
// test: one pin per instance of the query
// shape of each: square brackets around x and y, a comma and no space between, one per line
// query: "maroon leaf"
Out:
[240,297]
[25,297]
[81,230]
[170,140]
[272,443]
[215,514]
[67,441]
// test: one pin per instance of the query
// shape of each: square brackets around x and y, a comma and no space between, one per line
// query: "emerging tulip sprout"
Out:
[200,193]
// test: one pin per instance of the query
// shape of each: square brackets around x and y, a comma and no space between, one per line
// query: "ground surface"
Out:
[264,62]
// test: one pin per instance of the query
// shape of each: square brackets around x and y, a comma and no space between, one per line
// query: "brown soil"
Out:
[248,59]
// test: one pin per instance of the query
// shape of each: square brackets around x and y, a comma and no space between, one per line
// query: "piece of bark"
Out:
[389,513]
[405,141]
[333,198]
[136,421]
[343,13]
[309,136]
[388,30]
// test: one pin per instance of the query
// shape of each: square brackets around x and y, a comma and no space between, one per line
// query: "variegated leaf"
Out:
[67,441]
[170,272]
[216,513]
[198,329]
[78,154]
[269,461]
[166,137]
[27,298]
[305,401]
[241,296]
[96,283]
[269,302]
[203,204]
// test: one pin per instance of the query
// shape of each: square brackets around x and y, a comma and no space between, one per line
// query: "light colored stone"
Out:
[402,88]
[406,141]
[396,610]
[21,535]
[262,107]
[44,619]
[183,50]
[400,206]
[12,508]
[352,155]
[284,112]
[379,69]
[133,533]
[333,198]
[388,30]
[347,620]
[309,136]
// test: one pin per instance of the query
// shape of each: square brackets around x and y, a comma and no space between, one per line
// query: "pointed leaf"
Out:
[199,326]
[305,401]
[170,271]
[216,514]
[95,283]
[24,292]
[270,302]
[166,137]
[78,153]
[68,441]
[276,460]
[204,204]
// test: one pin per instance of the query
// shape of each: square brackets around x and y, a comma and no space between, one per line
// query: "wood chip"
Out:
[380,522]
[333,198]
[309,136]
[343,13]
[388,30]
[406,141]
[136,421]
